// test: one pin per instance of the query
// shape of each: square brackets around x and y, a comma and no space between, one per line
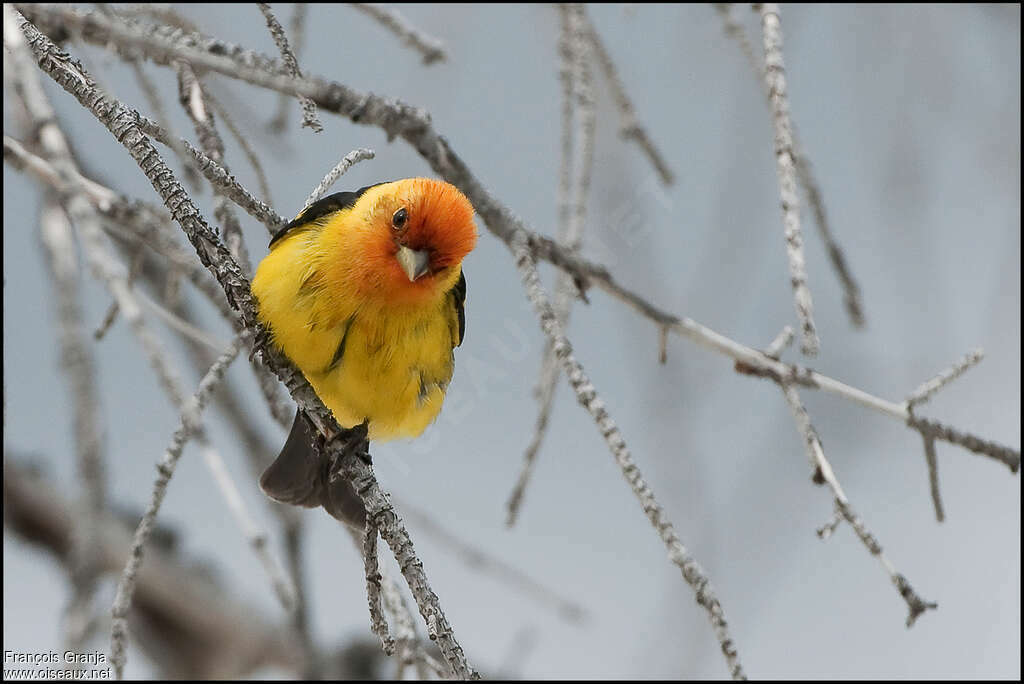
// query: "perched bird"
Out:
[364,292]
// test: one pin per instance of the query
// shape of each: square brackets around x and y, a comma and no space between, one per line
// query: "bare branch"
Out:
[125,124]
[184,327]
[781,341]
[112,273]
[775,77]
[350,159]
[851,291]
[297,29]
[156,105]
[431,49]
[933,476]
[309,118]
[823,474]
[243,142]
[201,629]
[189,425]
[226,184]
[630,127]
[194,101]
[496,567]
[578,126]
[413,124]
[111,315]
[378,622]
[587,396]
[928,389]
[79,368]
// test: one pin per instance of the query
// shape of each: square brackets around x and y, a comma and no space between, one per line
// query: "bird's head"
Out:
[417,231]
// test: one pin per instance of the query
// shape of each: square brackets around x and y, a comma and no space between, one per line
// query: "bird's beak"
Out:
[415,263]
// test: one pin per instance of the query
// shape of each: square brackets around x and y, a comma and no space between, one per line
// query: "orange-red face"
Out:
[421,229]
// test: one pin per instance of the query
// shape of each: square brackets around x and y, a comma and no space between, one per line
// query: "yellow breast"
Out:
[367,359]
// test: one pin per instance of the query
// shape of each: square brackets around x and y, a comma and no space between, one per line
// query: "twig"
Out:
[111,315]
[189,425]
[111,272]
[851,291]
[630,127]
[152,95]
[578,125]
[243,142]
[775,77]
[294,532]
[125,124]
[928,389]
[184,327]
[496,567]
[431,49]
[378,622]
[297,29]
[75,202]
[413,124]
[137,222]
[823,473]
[197,629]
[587,396]
[781,341]
[194,102]
[933,476]
[163,13]
[225,183]
[79,368]
[254,535]
[407,643]
[350,159]
[309,118]
[829,528]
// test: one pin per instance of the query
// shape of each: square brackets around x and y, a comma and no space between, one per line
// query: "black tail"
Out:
[299,476]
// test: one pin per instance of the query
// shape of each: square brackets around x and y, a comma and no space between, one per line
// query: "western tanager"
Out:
[364,292]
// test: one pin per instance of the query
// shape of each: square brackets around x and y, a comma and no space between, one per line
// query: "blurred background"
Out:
[911,119]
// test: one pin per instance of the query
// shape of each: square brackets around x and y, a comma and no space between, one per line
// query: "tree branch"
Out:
[123,123]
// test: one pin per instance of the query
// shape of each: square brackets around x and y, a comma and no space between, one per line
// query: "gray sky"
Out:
[911,117]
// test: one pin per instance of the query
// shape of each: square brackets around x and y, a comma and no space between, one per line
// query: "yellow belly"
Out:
[393,372]
[396,361]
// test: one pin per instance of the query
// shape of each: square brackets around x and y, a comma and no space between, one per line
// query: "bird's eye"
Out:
[400,218]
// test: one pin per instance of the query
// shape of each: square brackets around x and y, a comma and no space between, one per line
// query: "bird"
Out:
[364,292]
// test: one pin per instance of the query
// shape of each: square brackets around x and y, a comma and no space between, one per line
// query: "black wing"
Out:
[321,208]
[458,294]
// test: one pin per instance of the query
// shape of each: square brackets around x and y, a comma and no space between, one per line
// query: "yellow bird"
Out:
[364,292]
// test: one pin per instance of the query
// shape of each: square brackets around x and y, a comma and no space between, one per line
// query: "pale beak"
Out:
[415,263]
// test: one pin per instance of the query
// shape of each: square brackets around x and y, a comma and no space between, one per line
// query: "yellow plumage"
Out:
[372,343]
